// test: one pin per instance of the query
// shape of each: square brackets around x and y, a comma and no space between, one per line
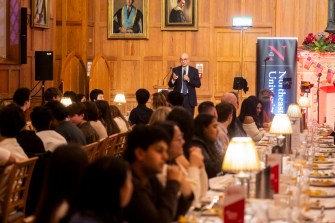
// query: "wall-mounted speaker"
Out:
[43,65]
[23,36]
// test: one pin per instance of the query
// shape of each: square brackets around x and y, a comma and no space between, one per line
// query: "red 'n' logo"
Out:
[281,56]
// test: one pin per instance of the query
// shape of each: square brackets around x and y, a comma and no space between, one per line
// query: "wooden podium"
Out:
[159,88]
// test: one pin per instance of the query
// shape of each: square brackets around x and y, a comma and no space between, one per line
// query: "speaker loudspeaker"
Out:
[23,36]
[43,65]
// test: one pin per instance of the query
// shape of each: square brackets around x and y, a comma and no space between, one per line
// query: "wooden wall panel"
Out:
[4,86]
[174,43]
[152,74]
[199,43]
[249,42]
[127,76]
[100,76]
[204,10]
[154,47]
[228,44]
[225,76]
[261,12]
[74,11]
[225,10]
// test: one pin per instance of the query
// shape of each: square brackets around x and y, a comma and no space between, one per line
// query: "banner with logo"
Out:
[277,69]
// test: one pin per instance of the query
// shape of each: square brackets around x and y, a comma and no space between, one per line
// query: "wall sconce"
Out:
[120,99]
[244,164]
[304,105]
[242,22]
[66,101]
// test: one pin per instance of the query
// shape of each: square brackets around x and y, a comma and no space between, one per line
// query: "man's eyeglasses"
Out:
[183,59]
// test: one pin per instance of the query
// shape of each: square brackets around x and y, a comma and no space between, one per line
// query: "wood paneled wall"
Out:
[81,26]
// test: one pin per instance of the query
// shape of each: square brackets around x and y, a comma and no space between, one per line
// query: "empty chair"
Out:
[13,207]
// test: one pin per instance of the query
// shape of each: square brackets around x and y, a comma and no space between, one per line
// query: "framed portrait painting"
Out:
[40,13]
[128,19]
[179,15]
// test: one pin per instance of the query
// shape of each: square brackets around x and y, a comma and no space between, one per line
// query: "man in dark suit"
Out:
[185,79]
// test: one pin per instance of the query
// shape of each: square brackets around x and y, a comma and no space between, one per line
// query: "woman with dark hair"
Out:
[205,136]
[92,114]
[106,118]
[185,122]
[259,111]
[193,169]
[66,167]
[120,120]
[247,117]
[105,190]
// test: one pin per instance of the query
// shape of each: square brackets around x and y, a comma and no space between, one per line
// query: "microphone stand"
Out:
[167,75]
[264,72]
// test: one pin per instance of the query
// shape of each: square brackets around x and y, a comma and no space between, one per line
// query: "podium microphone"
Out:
[167,75]
[267,59]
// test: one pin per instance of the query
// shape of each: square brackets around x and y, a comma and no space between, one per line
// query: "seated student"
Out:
[105,190]
[72,95]
[12,120]
[158,100]
[77,115]
[151,202]
[246,117]
[160,114]
[205,135]
[105,117]
[141,114]
[192,169]
[96,94]
[175,98]
[69,131]
[52,94]
[64,173]
[22,98]
[41,118]
[207,107]
[119,119]
[225,113]
[92,115]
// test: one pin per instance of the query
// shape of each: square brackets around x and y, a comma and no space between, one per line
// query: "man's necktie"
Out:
[184,83]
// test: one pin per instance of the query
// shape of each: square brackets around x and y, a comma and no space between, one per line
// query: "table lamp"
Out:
[241,158]
[294,114]
[304,105]
[120,98]
[66,101]
[281,125]
[294,111]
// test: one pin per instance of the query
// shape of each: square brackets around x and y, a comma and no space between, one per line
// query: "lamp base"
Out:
[243,179]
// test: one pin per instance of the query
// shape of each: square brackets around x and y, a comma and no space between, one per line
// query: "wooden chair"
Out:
[107,147]
[13,207]
[120,144]
[91,150]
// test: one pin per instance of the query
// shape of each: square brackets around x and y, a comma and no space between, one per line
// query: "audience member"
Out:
[52,94]
[225,113]
[105,190]
[158,100]
[185,123]
[205,135]
[69,131]
[106,118]
[259,111]
[266,97]
[120,120]
[96,94]
[160,114]
[141,114]
[175,98]
[72,95]
[12,120]
[22,98]
[63,178]
[147,153]
[207,107]
[41,118]
[246,117]
[77,115]
[92,114]
[81,98]
[192,169]
[236,128]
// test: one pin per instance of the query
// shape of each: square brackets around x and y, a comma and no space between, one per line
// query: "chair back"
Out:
[13,207]
[91,150]
[120,144]
[108,146]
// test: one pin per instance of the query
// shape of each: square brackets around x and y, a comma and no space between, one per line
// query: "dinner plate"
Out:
[220,183]
[322,183]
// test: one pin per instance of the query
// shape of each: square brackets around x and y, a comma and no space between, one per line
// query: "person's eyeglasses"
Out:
[183,59]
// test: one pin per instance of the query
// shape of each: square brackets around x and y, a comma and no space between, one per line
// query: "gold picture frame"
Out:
[137,24]
[40,13]
[179,17]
